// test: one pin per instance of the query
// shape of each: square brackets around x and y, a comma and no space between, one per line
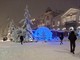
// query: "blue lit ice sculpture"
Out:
[43,33]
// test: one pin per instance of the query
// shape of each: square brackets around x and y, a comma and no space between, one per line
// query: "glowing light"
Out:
[58,28]
[71,28]
[33,19]
[43,33]
[64,29]
[78,27]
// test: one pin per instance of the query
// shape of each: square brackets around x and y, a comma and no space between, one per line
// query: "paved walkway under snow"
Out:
[38,51]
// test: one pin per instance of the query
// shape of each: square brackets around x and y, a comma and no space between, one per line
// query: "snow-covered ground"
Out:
[38,51]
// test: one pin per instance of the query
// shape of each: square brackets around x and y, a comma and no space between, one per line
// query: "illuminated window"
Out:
[58,23]
[63,21]
[74,17]
[68,18]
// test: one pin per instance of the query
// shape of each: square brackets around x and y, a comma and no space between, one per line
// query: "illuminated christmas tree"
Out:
[27,25]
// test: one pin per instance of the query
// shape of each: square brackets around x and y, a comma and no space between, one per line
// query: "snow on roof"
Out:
[70,11]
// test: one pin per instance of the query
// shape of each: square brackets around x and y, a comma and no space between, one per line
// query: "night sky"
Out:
[15,8]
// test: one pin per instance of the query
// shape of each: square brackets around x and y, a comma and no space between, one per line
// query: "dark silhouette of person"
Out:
[72,37]
[21,39]
[61,36]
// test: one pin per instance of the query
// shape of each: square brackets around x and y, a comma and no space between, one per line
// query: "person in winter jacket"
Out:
[72,38]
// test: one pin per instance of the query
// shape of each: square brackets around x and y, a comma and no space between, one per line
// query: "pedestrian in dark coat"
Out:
[72,37]
[21,39]
[61,36]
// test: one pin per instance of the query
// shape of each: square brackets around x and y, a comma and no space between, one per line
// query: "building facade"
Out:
[71,18]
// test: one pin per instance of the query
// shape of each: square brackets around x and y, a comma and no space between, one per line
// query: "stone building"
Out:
[49,16]
[54,20]
[71,18]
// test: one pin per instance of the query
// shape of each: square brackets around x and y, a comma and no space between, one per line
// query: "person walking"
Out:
[61,36]
[72,38]
[21,39]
